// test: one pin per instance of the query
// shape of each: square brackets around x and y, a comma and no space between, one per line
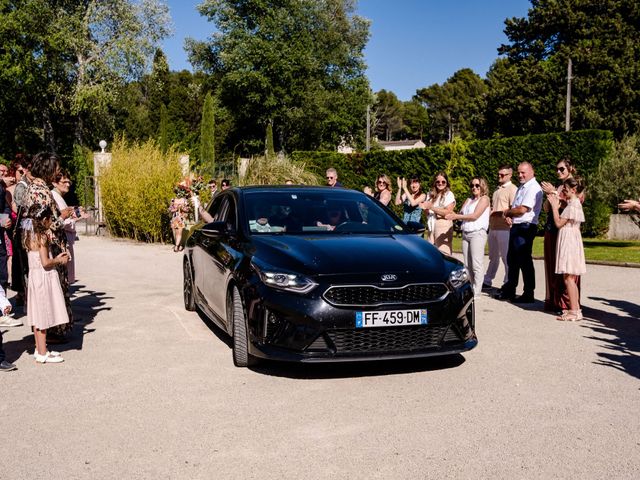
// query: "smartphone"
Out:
[77,211]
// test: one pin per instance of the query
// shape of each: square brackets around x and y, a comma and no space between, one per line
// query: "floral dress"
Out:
[38,193]
[179,210]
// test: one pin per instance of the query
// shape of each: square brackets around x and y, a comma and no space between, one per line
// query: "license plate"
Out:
[391,318]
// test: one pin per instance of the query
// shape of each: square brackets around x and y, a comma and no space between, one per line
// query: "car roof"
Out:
[289,188]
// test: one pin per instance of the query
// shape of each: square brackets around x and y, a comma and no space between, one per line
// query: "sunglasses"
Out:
[561,169]
[330,178]
[502,175]
[381,182]
[475,185]
[443,182]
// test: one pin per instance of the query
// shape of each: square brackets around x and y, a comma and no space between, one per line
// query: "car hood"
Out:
[350,254]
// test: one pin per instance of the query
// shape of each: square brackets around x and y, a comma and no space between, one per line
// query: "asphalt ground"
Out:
[149,390]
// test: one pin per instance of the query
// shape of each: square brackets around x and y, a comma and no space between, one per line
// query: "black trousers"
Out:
[519,258]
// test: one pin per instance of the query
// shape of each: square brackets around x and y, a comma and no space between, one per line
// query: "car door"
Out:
[201,253]
[222,254]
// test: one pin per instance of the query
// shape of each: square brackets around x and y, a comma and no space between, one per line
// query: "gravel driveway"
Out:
[149,390]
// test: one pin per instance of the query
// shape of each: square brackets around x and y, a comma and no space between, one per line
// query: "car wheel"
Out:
[241,357]
[187,287]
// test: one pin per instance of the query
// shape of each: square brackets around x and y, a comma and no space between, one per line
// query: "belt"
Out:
[524,224]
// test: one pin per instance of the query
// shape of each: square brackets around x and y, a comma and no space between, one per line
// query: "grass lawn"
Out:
[594,249]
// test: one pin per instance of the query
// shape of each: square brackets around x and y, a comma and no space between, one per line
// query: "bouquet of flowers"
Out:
[182,190]
[197,185]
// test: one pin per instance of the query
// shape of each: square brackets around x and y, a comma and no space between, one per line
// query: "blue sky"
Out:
[413,43]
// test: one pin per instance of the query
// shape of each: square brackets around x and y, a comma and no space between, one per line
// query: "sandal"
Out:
[570,316]
[175,249]
[180,248]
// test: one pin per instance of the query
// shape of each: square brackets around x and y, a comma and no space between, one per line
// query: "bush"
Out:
[81,167]
[137,189]
[587,149]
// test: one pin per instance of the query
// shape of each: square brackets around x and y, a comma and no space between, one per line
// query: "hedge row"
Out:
[462,160]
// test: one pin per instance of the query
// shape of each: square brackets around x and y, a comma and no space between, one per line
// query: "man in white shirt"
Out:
[523,217]
[498,225]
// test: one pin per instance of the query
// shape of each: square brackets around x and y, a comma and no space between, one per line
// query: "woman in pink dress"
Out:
[45,303]
[570,262]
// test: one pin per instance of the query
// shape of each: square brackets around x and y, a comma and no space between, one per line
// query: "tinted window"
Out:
[303,212]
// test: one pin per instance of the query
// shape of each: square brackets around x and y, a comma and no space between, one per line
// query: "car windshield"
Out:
[301,212]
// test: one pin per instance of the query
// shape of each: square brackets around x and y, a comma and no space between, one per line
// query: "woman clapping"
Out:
[475,223]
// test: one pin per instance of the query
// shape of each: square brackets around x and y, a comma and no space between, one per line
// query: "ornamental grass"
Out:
[276,170]
[137,189]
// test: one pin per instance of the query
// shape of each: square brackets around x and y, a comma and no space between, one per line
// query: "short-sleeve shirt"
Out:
[502,199]
[529,194]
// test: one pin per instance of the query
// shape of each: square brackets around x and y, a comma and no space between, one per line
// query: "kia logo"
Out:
[389,277]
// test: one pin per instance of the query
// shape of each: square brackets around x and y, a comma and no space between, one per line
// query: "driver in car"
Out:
[335,217]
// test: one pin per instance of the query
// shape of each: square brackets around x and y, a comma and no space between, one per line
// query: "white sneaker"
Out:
[7,321]
[52,353]
[47,358]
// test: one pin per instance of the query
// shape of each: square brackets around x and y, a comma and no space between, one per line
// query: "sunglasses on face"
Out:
[330,178]
[561,169]
[475,185]
[439,182]
[502,175]
[381,182]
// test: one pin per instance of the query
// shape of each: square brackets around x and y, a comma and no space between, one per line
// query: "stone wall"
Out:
[622,227]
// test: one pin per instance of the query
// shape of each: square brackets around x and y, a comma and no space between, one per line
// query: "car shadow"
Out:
[619,334]
[322,371]
[85,304]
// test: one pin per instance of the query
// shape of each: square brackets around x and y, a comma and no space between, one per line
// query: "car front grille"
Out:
[370,295]
[373,340]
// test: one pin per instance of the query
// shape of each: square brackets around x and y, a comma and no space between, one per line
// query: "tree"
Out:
[163,129]
[415,119]
[157,85]
[296,63]
[387,113]
[456,107]
[602,38]
[207,135]
[269,149]
[69,63]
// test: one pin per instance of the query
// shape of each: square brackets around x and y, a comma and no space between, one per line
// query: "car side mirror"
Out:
[217,229]
[415,227]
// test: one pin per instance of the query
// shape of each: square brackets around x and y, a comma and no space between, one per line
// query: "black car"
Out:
[315,274]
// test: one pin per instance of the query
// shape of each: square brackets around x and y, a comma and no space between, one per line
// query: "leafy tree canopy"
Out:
[296,63]
[602,38]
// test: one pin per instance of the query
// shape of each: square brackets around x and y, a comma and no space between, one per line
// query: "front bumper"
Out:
[290,327]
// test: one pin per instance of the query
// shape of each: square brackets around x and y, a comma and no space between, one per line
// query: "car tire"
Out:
[241,356]
[188,287]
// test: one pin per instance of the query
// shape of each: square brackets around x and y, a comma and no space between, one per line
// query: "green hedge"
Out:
[586,148]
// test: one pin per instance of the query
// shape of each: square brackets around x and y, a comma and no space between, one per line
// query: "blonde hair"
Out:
[386,180]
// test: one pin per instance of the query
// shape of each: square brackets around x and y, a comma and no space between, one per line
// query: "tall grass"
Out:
[137,188]
[276,170]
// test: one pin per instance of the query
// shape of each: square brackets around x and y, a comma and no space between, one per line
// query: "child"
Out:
[569,249]
[45,301]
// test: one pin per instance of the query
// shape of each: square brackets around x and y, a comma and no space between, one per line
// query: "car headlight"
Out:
[283,280]
[459,277]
